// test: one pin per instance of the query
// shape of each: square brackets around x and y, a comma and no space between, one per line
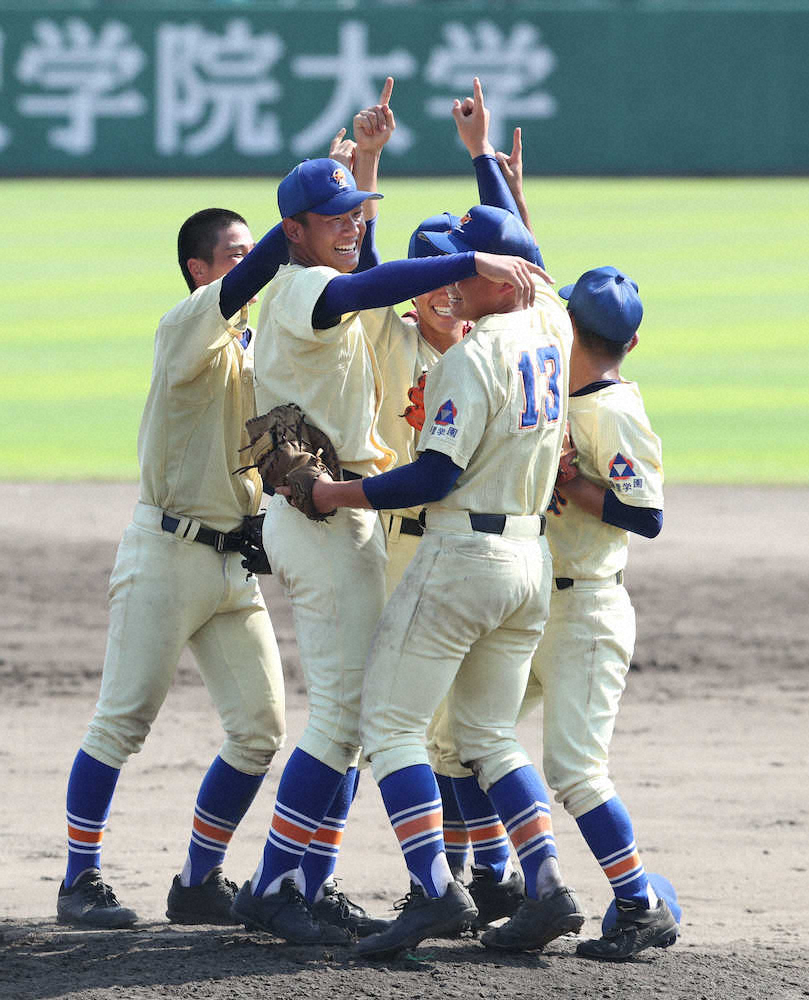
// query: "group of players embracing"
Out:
[462,562]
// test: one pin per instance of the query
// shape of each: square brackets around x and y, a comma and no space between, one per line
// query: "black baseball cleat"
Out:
[284,914]
[494,899]
[536,922]
[636,928]
[90,902]
[337,910]
[421,917]
[208,903]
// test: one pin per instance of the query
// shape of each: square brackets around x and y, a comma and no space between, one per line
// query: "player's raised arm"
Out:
[373,127]
[511,169]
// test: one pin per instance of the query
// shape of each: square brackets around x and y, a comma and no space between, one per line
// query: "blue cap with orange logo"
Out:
[606,302]
[323,186]
[489,229]
[419,245]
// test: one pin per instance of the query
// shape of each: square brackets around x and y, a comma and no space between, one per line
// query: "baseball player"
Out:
[313,351]
[466,617]
[609,484]
[178,580]
[406,348]
[580,667]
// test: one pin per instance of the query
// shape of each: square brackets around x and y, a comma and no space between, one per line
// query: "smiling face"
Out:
[330,240]
[233,244]
[437,324]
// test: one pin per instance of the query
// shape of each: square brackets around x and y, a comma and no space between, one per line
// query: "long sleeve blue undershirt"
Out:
[389,283]
[493,190]
[646,521]
[428,479]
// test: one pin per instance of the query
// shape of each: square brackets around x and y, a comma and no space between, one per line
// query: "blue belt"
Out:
[495,524]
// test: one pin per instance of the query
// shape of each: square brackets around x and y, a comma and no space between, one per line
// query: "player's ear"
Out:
[198,269]
[633,343]
[293,230]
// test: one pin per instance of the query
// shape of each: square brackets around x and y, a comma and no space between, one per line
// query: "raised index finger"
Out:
[387,90]
[477,90]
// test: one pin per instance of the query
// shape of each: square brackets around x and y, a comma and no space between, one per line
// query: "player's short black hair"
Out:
[591,341]
[199,235]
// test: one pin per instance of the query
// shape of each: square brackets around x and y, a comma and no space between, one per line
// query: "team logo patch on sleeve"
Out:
[621,468]
[447,413]
[622,472]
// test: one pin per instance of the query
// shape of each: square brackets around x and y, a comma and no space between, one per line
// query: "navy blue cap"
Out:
[605,301]
[421,246]
[323,186]
[486,228]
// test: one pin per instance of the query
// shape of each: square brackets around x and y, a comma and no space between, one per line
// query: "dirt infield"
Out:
[710,754]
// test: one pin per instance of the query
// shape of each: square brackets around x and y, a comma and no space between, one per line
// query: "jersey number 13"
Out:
[540,384]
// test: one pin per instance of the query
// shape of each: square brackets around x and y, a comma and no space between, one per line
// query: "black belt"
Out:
[221,541]
[350,475]
[495,524]
[564,582]
[408,526]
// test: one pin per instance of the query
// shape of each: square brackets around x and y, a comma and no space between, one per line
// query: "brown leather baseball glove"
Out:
[288,451]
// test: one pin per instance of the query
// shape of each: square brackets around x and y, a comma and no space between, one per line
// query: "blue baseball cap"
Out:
[606,301]
[421,247]
[323,186]
[486,228]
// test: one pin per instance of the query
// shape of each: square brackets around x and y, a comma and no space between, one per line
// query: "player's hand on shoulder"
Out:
[472,121]
[374,126]
[515,271]
[568,459]
[342,149]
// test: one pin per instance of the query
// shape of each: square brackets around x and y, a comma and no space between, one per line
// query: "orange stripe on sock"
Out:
[455,838]
[84,836]
[291,831]
[622,867]
[432,821]
[493,832]
[325,835]
[212,832]
[530,829]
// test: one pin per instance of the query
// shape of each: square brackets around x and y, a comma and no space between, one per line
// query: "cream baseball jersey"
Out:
[193,422]
[619,451]
[331,374]
[496,404]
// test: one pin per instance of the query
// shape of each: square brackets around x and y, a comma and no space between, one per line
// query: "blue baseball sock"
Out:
[305,793]
[224,797]
[321,854]
[413,803]
[456,839]
[609,835]
[525,809]
[486,831]
[89,793]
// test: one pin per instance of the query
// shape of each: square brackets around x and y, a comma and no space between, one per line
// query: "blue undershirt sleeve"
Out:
[646,521]
[426,480]
[369,255]
[389,283]
[493,190]
[250,275]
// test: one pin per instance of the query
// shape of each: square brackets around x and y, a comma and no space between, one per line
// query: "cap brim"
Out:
[446,242]
[565,292]
[345,201]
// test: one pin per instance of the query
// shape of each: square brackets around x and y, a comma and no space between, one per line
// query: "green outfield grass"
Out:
[723,267]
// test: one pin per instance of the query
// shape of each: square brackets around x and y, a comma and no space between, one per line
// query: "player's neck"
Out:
[586,368]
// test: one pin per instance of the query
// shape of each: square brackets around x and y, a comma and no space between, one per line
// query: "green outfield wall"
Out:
[245,89]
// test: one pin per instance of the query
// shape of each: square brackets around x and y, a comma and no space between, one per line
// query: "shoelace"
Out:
[407,900]
[297,899]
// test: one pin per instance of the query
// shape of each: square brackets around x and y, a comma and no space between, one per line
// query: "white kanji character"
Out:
[510,67]
[82,74]
[357,75]
[224,77]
